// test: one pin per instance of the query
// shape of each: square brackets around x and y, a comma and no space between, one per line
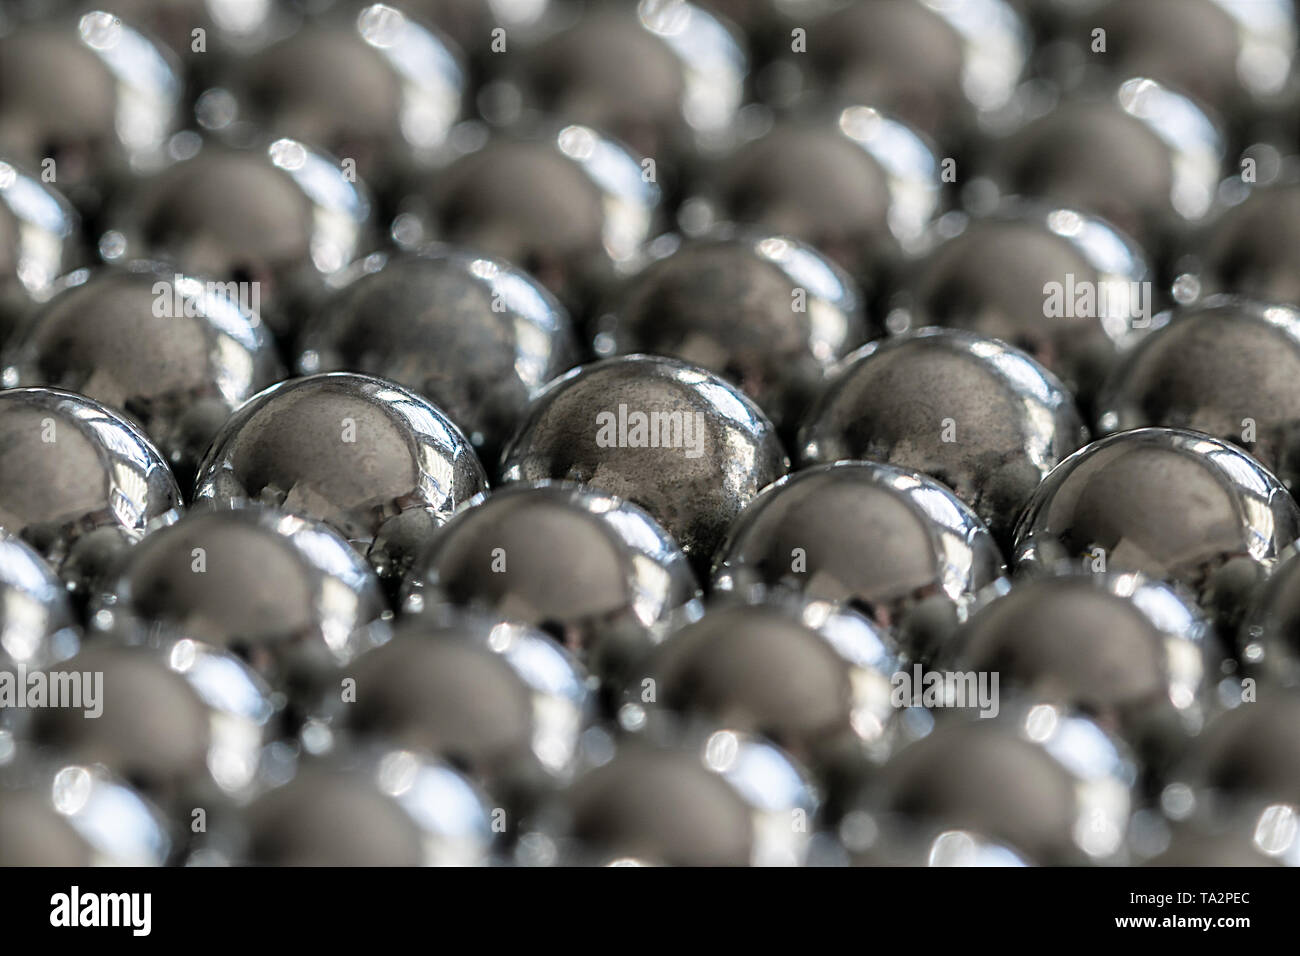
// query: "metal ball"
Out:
[1176,505]
[184,723]
[1250,248]
[366,83]
[726,800]
[175,353]
[278,219]
[594,571]
[891,543]
[91,93]
[78,482]
[768,314]
[1227,367]
[664,78]
[474,334]
[1132,653]
[993,275]
[1142,156]
[1047,784]
[812,678]
[284,593]
[502,702]
[973,412]
[857,185]
[37,624]
[354,451]
[1268,642]
[40,239]
[570,207]
[675,439]
[1248,759]
[389,809]
[939,67]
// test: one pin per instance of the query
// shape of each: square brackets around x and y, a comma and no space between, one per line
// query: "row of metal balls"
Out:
[248,622]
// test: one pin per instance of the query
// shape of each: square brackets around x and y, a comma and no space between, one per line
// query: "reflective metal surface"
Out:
[502,702]
[37,626]
[856,184]
[91,92]
[992,274]
[78,482]
[364,82]
[704,455]
[40,237]
[595,571]
[277,217]
[175,353]
[351,450]
[973,412]
[567,206]
[889,542]
[1269,639]
[766,313]
[284,593]
[1248,760]
[1250,248]
[1176,505]
[473,334]
[1143,157]
[1229,368]
[1047,784]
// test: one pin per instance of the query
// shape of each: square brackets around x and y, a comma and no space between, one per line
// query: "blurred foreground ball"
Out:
[891,543]
[670,437]
[286,594]
[37,625]
[594,571]
[79,482]
[369,458]
[973,412]
[1269,640]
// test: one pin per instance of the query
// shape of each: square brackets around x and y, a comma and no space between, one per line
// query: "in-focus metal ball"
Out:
[364,82]
[812,678]
[1019,274]
[91,93]
[1141,156]
[1046,783]
[666,78]
[390,809]
[284,593]
[37,625]
[726,800]
[768,314]
[78,482]
[1269,639]
[857,185]
[978,415]
[939,67]
[596,572]
[474,334]
[1178,506]
[1130,652]
[371,459]
[569,207]
[40,239]
[183,723]
[501,702]
[175,353]
[278,219]
[891,543]
[675,439]
[1228,367]
[70,815]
